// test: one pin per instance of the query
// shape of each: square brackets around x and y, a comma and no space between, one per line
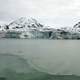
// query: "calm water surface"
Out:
[52,56]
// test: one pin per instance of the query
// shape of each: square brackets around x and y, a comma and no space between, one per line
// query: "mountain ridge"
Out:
[30,28]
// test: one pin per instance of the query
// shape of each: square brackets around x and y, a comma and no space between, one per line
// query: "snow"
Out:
[31,28]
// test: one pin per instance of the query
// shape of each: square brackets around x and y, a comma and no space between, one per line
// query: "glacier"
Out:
[24,28]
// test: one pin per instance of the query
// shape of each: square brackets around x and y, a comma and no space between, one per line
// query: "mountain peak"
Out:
[77,25]
[25,22]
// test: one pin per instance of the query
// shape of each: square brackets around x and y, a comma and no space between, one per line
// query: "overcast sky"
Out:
[52,12]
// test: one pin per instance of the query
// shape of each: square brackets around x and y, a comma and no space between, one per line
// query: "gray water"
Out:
[55,57]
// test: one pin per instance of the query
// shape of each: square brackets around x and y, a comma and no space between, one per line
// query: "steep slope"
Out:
[76,27]
[23,22]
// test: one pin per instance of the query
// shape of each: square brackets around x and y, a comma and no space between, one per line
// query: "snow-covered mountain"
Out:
[24,23]
[31,28]
[27,28]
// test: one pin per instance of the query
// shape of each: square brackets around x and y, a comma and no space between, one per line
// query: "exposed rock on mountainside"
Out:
[32,29]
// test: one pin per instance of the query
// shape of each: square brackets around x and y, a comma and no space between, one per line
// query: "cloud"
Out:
[10,9]
[38,7]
